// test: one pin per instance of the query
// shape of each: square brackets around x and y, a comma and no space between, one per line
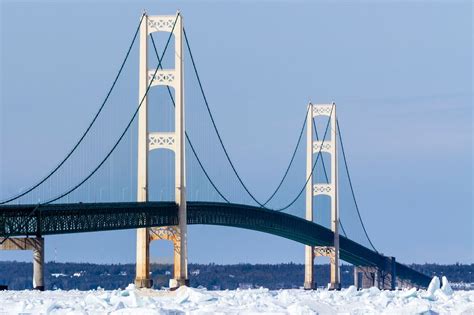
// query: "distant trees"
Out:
[86,276]
[455,273]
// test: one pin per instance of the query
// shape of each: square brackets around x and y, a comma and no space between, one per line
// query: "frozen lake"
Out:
[201,301]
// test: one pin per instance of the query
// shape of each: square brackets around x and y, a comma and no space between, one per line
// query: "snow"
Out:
[78,274]
[439,298]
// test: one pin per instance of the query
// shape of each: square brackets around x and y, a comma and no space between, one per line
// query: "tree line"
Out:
[87,276]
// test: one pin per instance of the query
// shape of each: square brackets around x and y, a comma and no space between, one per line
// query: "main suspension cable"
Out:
[88,128]
[187,136]
[314,165]
[222,142]
[214,124]
[28,218]
[352,188]
[342,228]
[291,160]
[126,128]
[225,150]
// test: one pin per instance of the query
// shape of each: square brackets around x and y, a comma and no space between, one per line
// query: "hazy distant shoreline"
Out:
[86,276]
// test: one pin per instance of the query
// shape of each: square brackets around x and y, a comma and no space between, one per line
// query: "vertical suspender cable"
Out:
[314,165]
[88,128]
[352,188]
[186,134]
[124,131]
[221,141]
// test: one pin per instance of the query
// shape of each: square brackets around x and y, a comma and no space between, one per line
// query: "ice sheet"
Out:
[435,300]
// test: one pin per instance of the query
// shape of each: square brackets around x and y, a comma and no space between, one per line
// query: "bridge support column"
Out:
[393,273]
[357,281]
[38,264]
[329,188]
[309,283]
[37,246]
[388,276]
[173,234]
[171,140]
[365,277]
[142,277]
[384,279]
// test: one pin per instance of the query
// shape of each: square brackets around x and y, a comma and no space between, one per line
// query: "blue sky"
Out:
[400,72]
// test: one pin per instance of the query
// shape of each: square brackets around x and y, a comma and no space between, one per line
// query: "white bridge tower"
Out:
[330,189]
[172,140]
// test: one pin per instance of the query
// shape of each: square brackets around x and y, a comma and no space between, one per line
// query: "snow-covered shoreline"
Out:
[435,300]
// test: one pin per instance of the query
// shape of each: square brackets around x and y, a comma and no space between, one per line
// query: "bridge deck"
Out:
[24,220]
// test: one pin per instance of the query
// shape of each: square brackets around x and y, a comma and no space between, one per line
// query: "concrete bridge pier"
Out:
[365,277]
[38,264]
[369,276]
[173,234]
[142,277]
[37,246]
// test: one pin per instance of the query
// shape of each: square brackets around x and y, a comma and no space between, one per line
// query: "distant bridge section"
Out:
[28,220]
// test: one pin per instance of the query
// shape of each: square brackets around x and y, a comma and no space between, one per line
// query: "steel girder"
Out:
[26,220]
[84,217]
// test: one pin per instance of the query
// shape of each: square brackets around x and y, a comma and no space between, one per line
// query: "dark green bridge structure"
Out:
[50,219]
[23,226]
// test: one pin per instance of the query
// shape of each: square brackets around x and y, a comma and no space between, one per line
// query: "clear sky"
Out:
[400,73]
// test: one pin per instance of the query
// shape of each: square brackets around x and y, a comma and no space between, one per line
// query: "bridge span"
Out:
[51,219]
[169,220]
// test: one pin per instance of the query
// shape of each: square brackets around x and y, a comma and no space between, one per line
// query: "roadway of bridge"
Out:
[30,220]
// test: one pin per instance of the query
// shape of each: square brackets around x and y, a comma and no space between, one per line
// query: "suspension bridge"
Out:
[24,222]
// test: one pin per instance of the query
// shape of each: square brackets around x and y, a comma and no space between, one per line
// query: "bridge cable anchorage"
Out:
[314,165]
[325,172]
[186,133]
[352,188]
[126,128]
[88,128]
[221,141]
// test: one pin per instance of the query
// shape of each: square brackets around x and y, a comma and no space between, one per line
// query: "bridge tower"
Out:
[330,189]
[172,140]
